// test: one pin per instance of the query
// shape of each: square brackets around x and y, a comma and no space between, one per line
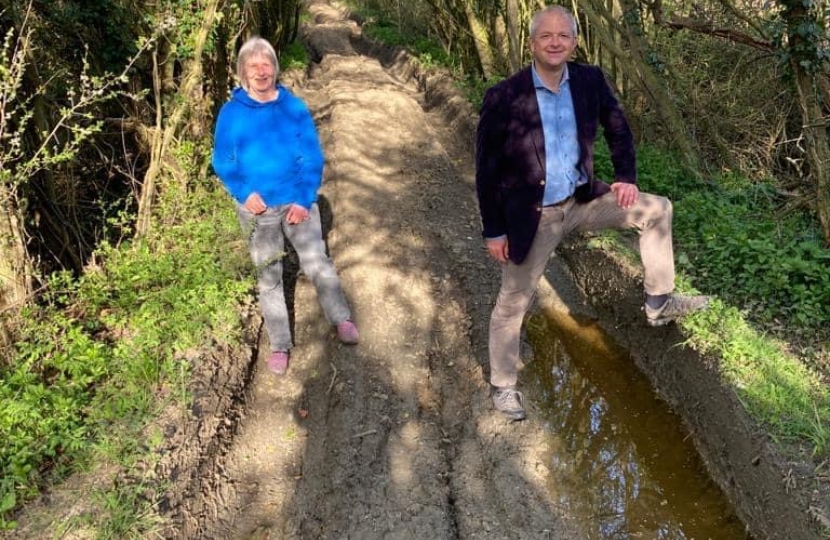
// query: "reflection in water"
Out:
[621,461]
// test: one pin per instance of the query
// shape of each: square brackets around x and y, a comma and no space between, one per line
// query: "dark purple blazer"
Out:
[510,151]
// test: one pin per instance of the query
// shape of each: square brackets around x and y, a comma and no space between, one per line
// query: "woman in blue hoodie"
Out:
[267,154]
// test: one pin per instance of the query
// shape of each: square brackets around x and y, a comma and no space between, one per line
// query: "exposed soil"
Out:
[395,438]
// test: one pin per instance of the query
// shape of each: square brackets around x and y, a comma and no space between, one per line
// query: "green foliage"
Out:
[104,27]
[294,56]
[96,356]
[731,241]
[800,33]
[127,512]
[380,27]
[776,268]
[475,87]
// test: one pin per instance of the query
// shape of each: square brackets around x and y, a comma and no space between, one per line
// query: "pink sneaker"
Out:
[347,333]
[278,362]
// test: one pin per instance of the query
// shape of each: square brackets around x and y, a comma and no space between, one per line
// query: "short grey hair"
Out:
[252,47]
[534,22]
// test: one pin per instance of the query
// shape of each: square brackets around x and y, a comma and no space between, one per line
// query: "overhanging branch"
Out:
[706,27]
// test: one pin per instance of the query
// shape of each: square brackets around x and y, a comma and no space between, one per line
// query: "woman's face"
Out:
[259,75]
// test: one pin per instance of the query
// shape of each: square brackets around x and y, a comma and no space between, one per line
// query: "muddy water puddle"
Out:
[620,460]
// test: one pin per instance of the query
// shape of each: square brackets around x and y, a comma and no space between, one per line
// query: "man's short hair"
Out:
[534,22]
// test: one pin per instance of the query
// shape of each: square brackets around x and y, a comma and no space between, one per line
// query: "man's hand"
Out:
[296,214]
[497,248]
[254,204]
[627,194]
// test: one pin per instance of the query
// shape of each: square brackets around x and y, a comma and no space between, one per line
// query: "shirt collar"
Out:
[537,81]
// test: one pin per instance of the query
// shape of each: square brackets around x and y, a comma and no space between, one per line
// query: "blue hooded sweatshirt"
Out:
[268,148]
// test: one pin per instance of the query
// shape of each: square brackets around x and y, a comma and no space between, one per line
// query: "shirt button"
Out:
[542,182]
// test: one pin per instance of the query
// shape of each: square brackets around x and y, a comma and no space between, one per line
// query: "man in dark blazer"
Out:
[535,184]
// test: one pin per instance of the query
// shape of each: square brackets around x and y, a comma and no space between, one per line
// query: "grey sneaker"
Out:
[674,307]
[509,401]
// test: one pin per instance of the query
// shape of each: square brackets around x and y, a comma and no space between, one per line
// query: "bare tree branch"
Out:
[708,28]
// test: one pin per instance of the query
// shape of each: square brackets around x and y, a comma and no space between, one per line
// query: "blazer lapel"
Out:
[533,117]
[578,95]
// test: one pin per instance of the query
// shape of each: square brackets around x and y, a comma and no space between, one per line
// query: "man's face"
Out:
[259,74]
[553,43]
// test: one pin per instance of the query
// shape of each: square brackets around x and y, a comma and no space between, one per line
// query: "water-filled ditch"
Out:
[621,461]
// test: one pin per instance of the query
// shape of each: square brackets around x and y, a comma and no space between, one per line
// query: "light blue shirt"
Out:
[561,144]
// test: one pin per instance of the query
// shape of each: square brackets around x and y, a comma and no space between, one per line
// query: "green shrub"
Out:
[294,56]
[105,351]
[475,87]
[428,52]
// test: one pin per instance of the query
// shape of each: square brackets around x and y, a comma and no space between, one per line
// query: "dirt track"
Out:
[395,438]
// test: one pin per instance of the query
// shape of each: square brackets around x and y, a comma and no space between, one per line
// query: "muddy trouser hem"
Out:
[651,217]
[266,234]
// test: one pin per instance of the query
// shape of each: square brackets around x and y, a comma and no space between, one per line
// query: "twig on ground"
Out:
[333,377]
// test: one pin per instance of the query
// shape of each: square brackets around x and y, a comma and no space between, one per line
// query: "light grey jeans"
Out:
[651,216]
[266,235]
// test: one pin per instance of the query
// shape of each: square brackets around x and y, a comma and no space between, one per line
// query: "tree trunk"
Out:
[514,36]
[277,21]
[481,40]
[165,132]
[814,124]
[818,148]
[15,265]
[635,65]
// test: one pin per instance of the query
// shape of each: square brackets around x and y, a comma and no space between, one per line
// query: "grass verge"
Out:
[768,324]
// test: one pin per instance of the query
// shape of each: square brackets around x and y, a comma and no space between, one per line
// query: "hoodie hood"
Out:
[240,95]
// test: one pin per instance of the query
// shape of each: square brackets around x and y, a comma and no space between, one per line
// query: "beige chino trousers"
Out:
[651,216]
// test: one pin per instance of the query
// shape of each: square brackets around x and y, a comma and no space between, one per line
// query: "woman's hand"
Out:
[296,214]
[254,204]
